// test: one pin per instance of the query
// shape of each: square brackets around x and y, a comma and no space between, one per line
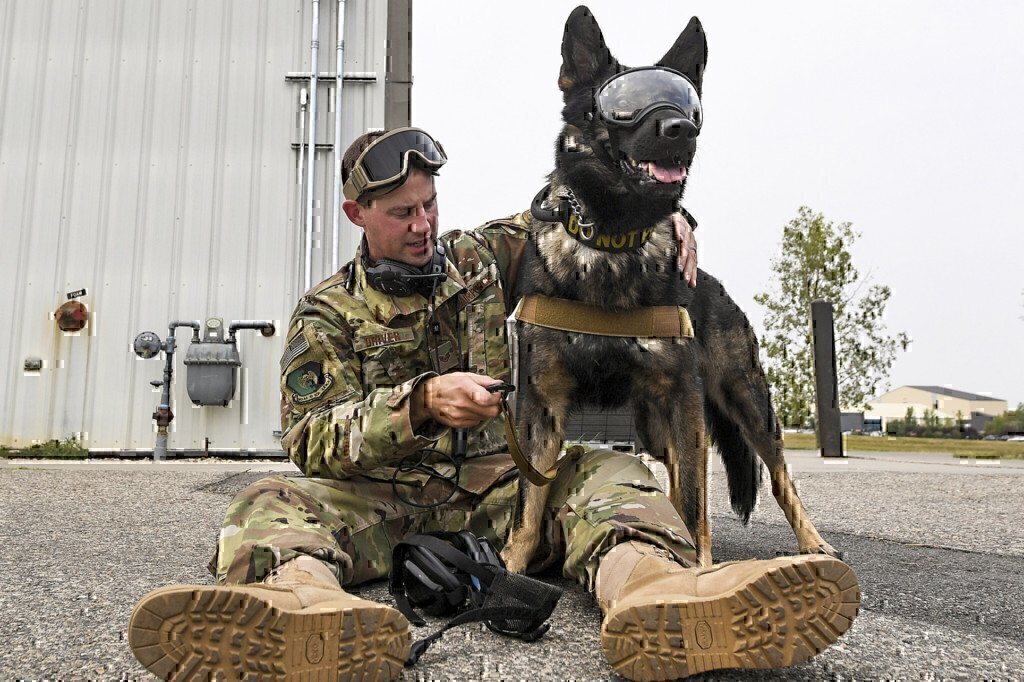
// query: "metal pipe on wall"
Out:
[300,175]
[338,149]
[314,69]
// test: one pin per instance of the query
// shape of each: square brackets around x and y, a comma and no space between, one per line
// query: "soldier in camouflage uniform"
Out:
[368,379]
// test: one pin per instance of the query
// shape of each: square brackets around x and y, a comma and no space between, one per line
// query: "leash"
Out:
[532,474]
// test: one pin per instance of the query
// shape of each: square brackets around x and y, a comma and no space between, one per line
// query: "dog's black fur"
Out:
[673,385]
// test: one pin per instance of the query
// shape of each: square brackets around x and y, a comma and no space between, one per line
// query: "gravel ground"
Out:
[937,553]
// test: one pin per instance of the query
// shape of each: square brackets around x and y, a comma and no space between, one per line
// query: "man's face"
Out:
[402,224]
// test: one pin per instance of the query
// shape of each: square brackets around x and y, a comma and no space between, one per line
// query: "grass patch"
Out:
[69,448]
[981,449]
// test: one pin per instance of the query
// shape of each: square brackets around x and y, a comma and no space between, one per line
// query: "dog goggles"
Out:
[386,161]
[627,97]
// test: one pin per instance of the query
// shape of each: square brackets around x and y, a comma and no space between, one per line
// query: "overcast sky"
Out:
[906,119]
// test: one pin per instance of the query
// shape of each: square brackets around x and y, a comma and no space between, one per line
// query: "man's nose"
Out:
[420,222]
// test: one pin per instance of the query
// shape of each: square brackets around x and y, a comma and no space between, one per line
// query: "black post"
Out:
[826,380]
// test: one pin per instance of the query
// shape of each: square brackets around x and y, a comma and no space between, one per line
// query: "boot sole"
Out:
[186,632]
[785,616]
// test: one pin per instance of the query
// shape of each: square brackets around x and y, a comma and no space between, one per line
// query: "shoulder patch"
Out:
[309,382]
[298,346]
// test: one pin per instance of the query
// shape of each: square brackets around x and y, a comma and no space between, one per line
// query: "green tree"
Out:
[1008,422]
[815,263]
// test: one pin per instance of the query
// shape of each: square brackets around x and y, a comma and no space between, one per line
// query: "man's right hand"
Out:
[458,399]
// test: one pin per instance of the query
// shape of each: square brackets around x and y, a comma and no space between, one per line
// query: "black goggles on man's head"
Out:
[386,161]
[625,98]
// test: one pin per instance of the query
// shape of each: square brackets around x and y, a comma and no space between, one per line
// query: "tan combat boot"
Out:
[663,621]
[297,624]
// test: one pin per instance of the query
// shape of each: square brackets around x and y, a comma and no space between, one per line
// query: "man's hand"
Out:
[458,399]
[687,257]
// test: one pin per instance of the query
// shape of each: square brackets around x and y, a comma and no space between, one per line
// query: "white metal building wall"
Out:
[146,155]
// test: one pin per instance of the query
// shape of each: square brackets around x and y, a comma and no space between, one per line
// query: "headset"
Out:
[395,278]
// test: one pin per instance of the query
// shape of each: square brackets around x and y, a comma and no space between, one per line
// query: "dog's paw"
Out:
[822,548]
[518,550]
[515,559]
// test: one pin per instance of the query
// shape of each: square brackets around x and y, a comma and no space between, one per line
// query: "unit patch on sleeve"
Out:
[309,382]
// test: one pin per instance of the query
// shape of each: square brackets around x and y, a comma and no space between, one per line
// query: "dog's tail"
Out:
[742,466]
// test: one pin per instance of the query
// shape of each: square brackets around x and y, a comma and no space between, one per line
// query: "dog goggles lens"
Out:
[627,97]
[386,161]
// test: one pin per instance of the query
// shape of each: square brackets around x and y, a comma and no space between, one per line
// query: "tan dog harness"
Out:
[660,321]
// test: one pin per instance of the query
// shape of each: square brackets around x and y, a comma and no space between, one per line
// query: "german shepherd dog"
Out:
[625,180]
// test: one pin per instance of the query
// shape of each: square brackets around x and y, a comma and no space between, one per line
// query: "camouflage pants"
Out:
[599,499]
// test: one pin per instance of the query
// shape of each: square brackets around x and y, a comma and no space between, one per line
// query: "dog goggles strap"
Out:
[663,321]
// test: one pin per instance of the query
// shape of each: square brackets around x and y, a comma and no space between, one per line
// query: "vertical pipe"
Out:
[314,68]
[826,380]
[338,149]
[299,177]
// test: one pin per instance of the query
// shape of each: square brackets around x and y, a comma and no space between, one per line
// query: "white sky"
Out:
[903,118]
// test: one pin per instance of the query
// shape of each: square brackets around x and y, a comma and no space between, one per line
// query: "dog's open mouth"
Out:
[664,171]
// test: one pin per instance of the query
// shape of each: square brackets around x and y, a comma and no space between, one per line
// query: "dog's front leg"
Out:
[545,408]
[784,490]
[687,466]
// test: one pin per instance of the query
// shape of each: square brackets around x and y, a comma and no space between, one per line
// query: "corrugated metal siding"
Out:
[145,155]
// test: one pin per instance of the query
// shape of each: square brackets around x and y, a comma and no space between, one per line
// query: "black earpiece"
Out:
[401,279]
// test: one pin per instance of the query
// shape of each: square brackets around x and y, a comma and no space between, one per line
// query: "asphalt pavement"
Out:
[935,541]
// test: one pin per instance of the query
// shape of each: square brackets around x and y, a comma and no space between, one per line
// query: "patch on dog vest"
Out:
[627,241]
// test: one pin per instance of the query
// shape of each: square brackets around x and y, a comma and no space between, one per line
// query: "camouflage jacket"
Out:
[354,355]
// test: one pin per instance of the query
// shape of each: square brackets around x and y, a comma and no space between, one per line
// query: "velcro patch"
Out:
[309,382]
[476,285]
[298,346]
[385,338]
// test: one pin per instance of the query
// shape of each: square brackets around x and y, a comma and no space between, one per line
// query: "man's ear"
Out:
[689,54]
[355,212]
[586,61]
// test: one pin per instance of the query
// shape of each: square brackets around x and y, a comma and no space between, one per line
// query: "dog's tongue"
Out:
[667,173]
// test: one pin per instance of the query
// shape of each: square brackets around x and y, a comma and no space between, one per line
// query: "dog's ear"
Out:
[586,61]
[689,55]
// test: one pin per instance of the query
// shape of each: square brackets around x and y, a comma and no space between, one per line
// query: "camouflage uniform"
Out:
[352,359]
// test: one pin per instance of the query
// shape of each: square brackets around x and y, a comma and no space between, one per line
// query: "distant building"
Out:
[947,403]
[851,421]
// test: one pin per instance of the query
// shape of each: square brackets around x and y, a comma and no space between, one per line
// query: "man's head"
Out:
[390,193]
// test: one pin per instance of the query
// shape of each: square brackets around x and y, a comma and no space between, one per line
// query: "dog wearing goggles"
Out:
[601,236]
